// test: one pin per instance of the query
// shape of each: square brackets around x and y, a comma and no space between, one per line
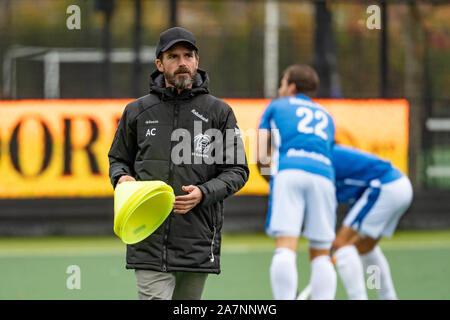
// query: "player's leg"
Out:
[366,244]
[372,256]
[348,263]
[323,279]
[320,223]
[395,198]
[284,223]
[283,268]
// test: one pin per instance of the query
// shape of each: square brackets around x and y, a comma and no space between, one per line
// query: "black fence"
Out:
[405,55]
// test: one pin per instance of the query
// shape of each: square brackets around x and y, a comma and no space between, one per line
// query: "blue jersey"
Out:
[355,169]
[303,136]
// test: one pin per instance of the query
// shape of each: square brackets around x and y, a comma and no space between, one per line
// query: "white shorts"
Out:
[378,210]
[299,198]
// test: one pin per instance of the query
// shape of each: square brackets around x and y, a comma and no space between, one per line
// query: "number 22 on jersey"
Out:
[305,126]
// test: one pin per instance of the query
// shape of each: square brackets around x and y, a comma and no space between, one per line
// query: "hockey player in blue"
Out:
[378,194]
[302,187]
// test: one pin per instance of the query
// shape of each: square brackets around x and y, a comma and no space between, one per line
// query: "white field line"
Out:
[241,248]
[226,248]
[61,252]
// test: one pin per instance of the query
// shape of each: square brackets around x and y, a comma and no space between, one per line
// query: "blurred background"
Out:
[55,50]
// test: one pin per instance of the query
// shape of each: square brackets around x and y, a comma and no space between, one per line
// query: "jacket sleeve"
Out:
[233,172]
[123,149]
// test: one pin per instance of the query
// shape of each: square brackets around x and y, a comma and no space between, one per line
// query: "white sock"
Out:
[386,290]
[283,274]
[323,279]
[351,271]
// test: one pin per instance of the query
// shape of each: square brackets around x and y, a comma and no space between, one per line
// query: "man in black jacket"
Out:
[184,136]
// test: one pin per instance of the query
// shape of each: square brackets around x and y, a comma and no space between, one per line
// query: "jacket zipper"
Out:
[167,227]
[213,216]
[212,245]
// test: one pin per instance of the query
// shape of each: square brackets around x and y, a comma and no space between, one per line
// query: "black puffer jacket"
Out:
[142,147]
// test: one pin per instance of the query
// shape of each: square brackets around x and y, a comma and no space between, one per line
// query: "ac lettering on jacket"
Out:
[151,132]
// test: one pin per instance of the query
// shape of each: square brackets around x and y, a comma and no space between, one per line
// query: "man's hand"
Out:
[125,178]
[185,203]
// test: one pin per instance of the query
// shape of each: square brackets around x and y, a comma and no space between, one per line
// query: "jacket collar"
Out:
[158,86]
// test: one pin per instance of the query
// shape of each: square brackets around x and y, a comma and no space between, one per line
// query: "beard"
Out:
[181,82]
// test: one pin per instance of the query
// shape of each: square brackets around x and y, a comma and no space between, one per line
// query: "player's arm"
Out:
[263,143]
[263,155]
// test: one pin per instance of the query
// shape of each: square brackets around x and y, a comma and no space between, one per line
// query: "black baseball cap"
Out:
[174,35]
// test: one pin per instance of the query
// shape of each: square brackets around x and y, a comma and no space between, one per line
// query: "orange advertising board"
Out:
[58,148]
[378,126]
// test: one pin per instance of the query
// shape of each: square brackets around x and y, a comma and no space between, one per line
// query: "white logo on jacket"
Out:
[202,143]
[197,114]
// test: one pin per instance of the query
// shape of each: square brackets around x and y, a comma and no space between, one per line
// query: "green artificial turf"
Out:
[36,268]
